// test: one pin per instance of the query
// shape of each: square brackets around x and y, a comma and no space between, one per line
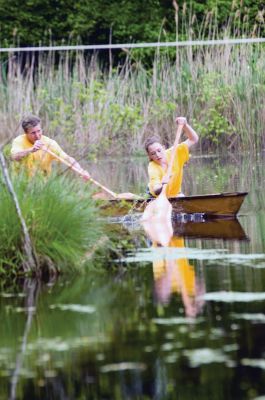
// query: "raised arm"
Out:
[192,136]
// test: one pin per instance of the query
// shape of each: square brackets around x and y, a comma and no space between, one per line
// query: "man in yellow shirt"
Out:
[159,160]
[29,149]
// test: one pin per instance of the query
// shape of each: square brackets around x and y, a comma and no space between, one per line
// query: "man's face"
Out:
[34,133]
[157,153]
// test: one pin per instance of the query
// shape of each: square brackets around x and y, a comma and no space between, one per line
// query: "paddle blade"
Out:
[159,208]
[102,196]
[159,231]
[156,220]
[127,196]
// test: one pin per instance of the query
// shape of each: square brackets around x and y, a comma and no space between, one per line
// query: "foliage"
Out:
[93,21]
[213,125]
[60,216]
[93,111]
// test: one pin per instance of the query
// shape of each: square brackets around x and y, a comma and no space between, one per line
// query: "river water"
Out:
[183,322]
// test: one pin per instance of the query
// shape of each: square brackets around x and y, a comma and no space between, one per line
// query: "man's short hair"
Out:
[151,140]
[30,122]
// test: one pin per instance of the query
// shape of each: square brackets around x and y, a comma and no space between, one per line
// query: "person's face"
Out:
[34,133]
[157,153]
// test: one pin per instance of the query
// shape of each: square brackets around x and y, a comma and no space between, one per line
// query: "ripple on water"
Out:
[124,366]
[258,317]
[228,297]
[202,356]
[175,321]
[87,309]
[173,253]
[252,362]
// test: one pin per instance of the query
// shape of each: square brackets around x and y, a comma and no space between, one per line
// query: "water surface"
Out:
[183,322]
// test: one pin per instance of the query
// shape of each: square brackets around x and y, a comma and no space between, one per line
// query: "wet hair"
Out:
[151,140]
[30,122]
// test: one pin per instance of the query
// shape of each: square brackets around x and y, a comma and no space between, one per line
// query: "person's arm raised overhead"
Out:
[192,136]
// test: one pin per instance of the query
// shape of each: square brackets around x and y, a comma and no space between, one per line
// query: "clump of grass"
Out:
[61,218]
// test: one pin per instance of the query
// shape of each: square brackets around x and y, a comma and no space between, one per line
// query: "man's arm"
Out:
[77,166]
[19,155]
[59,155]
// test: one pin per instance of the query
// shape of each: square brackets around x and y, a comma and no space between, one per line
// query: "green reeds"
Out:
[92,111]
[61,218]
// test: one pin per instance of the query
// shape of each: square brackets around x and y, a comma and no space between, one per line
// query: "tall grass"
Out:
[61,218]
[93,111]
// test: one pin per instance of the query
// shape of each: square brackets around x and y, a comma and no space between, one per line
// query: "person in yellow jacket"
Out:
[159,160]
[29,149]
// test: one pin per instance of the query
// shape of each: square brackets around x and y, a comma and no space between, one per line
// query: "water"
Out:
[184,322]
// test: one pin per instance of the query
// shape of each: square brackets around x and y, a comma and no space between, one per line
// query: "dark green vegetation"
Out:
[61,218]
[92,21]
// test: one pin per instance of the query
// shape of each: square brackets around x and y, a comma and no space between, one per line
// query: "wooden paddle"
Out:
[126,196]
[160,208]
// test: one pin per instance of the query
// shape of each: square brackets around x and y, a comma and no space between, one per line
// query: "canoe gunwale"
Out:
[211,196]
[213,206]
[193,197]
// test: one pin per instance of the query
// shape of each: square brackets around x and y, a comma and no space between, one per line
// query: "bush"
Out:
[60,215]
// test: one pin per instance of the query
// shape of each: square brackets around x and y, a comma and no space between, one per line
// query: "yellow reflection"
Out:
[178,276]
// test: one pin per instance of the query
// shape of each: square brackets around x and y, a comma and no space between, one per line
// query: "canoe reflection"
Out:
[178,276]
[227,229]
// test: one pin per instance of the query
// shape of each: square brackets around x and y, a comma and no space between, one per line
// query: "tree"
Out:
[34,22]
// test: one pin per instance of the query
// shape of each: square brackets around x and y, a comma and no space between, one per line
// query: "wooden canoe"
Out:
[218,205]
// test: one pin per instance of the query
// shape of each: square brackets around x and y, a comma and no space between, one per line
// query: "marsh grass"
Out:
[93,111]
[61,218]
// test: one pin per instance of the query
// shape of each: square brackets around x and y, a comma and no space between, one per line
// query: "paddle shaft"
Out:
[68,164]
[172,156]
[160,209]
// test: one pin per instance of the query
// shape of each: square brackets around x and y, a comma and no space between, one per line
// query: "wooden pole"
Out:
[30,263]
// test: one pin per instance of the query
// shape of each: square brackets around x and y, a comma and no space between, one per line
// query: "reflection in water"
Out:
[178,276]
[174,275]
[31,289]
[122,350]
[227,229]
[159,230]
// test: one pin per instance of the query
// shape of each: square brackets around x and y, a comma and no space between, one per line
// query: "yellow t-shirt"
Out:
[156,172]
[39,160]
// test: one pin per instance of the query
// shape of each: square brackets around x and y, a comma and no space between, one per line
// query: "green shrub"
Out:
[60,215]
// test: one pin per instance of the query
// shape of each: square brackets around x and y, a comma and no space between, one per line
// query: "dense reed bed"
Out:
[95,111]
[61,219]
